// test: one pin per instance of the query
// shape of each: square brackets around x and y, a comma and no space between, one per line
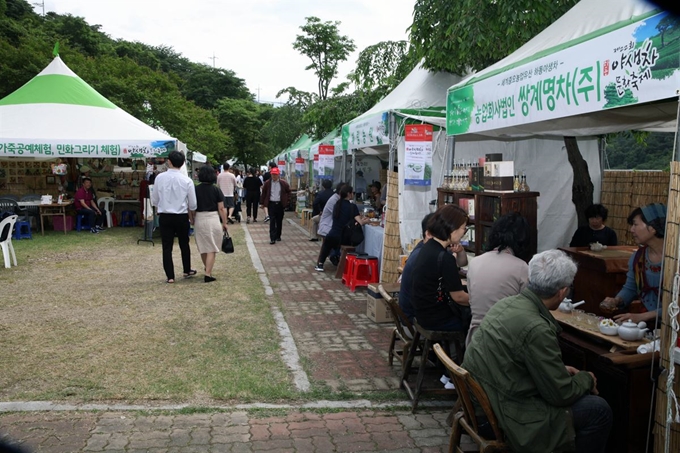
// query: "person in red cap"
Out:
[275,197]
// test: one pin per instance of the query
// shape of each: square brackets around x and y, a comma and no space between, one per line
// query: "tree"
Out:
[463,35]
[324,45]
[665,24]
[244,119]
[381,67]
[283,128]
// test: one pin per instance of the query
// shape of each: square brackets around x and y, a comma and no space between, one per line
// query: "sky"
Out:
[253,38]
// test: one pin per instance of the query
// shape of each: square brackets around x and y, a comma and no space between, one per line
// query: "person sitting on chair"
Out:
[541,404]
[86,204]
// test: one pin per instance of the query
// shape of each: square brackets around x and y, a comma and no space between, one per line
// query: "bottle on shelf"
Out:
[516,183]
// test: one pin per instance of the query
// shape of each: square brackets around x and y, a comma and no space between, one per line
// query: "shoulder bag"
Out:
[352,234]
[461,312]
[227,243]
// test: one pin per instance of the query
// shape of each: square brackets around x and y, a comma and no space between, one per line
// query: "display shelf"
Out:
[484,208]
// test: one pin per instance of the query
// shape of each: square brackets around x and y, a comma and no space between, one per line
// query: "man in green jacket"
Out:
[541,404]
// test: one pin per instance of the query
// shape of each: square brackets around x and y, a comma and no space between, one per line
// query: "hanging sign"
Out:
[282,167]
[418,154]
[634,64]
[326,161]
[316,165]
[299,166]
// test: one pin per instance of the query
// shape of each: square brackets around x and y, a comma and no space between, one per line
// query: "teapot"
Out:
[630,331]
[567,307]
[597,247]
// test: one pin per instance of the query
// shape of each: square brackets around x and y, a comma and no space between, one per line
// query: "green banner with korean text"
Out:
[634,64]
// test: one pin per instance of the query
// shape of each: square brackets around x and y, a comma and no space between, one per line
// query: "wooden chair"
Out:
[465,420]
[425,339]
[403,329]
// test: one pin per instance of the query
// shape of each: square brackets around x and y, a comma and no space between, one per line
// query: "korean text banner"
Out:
[418,154]
[82,148]
[326,161]
[370,131]
[634,64]
[299,166]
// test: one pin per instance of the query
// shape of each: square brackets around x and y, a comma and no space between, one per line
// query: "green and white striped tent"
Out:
[57,114]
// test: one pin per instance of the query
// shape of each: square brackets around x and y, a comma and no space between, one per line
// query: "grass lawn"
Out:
[90,318]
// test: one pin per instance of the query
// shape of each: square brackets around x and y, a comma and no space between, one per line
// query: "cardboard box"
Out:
[376,310]
[58,223]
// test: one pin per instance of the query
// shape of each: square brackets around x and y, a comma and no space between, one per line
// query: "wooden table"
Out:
[600,274]
[53,209]
[623,380]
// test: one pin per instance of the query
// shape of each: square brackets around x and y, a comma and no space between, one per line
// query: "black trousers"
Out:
[275,220]
[172,225]
[252,201]
[329,244]
[94,219]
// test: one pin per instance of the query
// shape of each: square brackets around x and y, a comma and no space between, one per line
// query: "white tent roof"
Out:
[570,44]
[57,114]
[421,95]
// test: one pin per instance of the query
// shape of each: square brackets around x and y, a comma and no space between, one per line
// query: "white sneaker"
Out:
[444,379]
[449,386]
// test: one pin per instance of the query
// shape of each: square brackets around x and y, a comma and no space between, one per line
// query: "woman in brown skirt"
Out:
[209,219]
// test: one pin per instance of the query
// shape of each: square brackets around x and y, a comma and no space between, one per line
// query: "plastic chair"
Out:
[12,205]
[466,420]
[430,338]
[22,230]
[32,211]
[128,218]
[108,203]
[6,226]
[83,222]
[364,271]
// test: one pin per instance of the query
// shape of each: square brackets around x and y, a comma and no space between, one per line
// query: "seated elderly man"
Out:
[541,404]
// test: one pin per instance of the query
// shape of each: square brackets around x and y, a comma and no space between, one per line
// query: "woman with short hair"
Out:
[596,230]
[209,219]
[434,309]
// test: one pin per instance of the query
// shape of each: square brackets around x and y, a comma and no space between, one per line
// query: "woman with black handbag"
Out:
[438,296]
[209,219]
[345,215]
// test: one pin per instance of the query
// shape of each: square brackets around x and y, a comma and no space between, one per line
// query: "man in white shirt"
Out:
[175,197]
[226,181]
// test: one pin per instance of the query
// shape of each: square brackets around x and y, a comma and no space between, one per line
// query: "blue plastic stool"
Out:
[83,222]
[128,218]
[22,230]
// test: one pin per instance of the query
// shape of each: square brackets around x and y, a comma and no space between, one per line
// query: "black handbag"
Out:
[461,312]
[352,234]
[227,243]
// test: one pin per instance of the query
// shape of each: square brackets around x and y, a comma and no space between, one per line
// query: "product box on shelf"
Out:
[477,179]
[494,157]
[503,168]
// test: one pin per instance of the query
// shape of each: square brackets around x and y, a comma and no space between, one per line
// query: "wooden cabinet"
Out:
[487,207]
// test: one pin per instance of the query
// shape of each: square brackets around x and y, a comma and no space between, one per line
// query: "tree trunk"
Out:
[582,187]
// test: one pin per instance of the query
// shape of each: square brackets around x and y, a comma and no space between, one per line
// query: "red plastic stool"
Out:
[349,263]
[364,271]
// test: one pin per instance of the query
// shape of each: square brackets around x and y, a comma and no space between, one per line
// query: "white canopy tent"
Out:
[57,114]
[543,159]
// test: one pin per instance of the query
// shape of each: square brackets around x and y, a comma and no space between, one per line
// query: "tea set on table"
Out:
[628,330]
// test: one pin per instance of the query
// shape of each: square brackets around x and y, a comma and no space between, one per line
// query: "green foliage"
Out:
[324,45]
[381,67]
[668,22]
[327,114]
[244,119]
[463,35]
[283,128]
[155,84]
[633,150]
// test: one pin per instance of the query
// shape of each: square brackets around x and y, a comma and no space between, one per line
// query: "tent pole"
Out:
[676,144]
[450,153]
[393,141]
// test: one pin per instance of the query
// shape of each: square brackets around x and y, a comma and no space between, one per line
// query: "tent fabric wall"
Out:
[548,172]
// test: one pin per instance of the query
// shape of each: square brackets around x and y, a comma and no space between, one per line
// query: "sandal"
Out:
[191,273]
[170,280]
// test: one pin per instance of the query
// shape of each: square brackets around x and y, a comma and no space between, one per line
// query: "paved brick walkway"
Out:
[340,347]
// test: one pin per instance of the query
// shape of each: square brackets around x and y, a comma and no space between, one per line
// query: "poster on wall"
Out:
[315,168]
[326,161]
[418,155]
[299,167]
[282,167]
